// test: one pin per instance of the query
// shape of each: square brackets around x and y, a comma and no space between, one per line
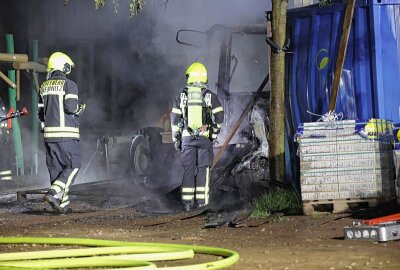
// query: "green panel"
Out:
[34,108]
[16,131]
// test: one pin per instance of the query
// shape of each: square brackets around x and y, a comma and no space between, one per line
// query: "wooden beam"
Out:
[44,60]
[7,80]
[344,40]
[11,57]
[29,66]
[18,82]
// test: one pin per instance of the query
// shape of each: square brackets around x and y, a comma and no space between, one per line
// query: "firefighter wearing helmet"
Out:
[59,112]
[196,119]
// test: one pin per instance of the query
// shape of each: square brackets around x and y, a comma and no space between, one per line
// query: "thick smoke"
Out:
[129,70]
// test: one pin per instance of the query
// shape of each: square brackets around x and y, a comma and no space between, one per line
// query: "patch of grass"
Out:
[276,201]
[317,216]
[280,219]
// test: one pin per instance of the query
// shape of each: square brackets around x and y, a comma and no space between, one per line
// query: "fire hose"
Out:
[107,253]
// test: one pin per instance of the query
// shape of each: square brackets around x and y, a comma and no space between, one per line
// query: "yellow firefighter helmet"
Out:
[196,73]
[60,61]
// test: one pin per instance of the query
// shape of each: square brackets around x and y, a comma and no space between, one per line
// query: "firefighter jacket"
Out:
[58,107]
[196,112]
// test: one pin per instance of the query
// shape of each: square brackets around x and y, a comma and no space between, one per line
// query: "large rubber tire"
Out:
[153,163]
[140,157]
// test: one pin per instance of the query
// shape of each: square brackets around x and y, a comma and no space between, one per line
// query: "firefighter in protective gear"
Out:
[5,161]
[196,119]
[59,112]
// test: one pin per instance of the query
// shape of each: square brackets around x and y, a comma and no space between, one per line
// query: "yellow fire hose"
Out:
[105,253]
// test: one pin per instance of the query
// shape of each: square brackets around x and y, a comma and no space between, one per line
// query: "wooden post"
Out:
[348,18]
[18,83]
[277,108]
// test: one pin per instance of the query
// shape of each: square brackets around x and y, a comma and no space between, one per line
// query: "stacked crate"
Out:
[339,166]
[397,159]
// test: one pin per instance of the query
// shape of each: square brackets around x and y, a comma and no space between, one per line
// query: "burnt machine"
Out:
[243,164]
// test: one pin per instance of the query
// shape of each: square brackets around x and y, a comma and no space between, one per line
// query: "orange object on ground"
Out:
[376,221]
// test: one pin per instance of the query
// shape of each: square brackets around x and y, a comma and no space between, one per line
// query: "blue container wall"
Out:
[370,82]
[385,20]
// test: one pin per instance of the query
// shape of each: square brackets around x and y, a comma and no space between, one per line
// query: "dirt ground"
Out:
[288,242]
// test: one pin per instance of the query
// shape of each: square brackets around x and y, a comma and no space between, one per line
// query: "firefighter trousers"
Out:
[63,161]
[197,156]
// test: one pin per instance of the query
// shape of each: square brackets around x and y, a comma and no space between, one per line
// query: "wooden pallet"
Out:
[337,206]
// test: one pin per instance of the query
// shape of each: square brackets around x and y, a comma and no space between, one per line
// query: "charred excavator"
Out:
[240,168]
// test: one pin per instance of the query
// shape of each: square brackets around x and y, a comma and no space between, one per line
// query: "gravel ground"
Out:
[288,242]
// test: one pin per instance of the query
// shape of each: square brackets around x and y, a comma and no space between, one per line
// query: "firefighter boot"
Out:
[66,210]
[65,204]
[188,207]
[53,200]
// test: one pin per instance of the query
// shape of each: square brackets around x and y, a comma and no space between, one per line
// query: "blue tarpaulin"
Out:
[370,82]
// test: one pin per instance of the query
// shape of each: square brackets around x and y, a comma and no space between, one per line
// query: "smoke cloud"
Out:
[129,70]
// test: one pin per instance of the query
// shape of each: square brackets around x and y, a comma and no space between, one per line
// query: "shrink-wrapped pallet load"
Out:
[344,162]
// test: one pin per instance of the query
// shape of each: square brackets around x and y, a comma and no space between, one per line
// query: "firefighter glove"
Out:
[81,109]
[176,136]
[215,143]
[178,145]
[215,132]
[215,129]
